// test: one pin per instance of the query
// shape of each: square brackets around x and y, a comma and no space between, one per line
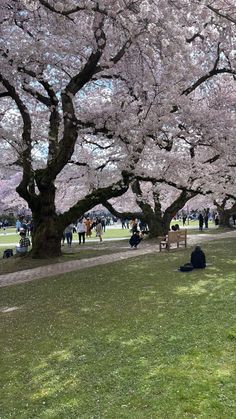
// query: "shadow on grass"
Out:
[17,263]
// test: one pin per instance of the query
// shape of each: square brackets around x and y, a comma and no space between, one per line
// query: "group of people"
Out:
[203,219]
[84,229]
[4,224]
[24,225]
[197,259]
[202,216]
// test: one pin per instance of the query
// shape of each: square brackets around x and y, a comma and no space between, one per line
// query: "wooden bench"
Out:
[173,237]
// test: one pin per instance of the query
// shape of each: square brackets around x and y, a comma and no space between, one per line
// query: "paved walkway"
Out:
[76,265]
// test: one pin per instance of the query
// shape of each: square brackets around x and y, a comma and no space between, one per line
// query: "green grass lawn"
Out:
[76,252]
[109,234]
[92,248]
[133,340]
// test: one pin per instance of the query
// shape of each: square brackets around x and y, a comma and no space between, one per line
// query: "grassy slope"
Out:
[134,339]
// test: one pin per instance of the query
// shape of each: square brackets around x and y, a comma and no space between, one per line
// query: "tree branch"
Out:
[206,77]
[38,96]
[71,11]
[25,161]
[99,196]
[4,94]
[212,159]
[122,215]
[220,14]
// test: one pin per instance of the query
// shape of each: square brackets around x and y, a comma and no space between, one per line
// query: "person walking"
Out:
[217,220]
[99,229]
[69,234]
[206,217]
[103,222]
[81,230]
[201,221]
[88,224]
[18,226]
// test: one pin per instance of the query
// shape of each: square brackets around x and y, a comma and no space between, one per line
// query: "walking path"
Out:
[76,265]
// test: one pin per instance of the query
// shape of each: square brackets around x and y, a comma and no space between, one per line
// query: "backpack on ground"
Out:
[187,267]
[7,253]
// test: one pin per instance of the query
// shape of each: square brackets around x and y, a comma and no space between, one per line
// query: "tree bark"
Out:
[47,228]
[225,213]
[224,218]
[46,238]
[158,225]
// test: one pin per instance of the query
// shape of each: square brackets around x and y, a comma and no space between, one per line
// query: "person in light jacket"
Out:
[99,230]
[81,230]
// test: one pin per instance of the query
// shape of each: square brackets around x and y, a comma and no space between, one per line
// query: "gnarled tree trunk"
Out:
[224,218]
[225,213]
[158,221]
[47,228]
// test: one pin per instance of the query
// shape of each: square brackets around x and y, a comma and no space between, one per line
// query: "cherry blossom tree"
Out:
[110,93]
[49,55]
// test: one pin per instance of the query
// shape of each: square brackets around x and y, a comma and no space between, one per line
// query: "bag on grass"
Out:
[187,267]
[7,253]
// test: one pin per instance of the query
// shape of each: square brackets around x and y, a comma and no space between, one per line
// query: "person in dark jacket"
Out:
[201,221]
[135,239]
[198,258]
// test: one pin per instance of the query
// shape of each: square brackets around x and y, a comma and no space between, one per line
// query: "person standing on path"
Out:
[81,230]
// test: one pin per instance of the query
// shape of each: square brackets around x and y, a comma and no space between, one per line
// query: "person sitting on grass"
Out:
[198,258]
[24,243]
[135,239]
[197,261]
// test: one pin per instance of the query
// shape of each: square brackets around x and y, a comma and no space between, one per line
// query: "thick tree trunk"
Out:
[224,217]
[47,228]
[46,239]
[158,226]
